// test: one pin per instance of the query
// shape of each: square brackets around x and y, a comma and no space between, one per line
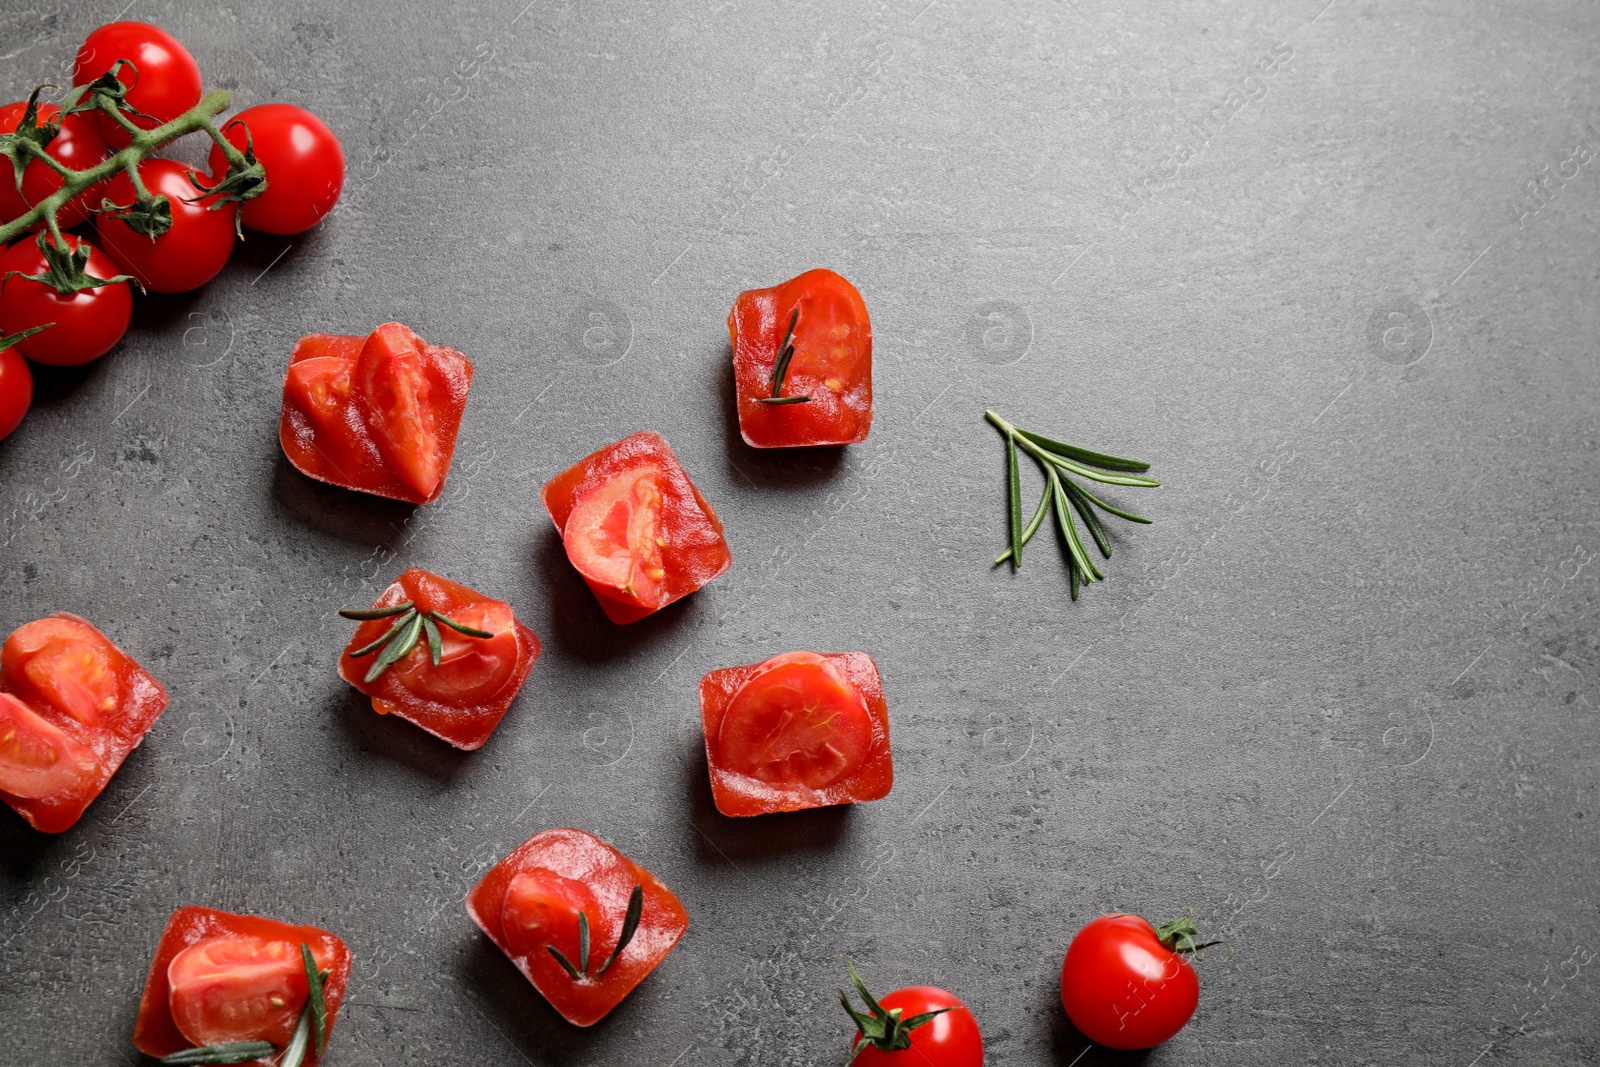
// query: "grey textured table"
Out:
[1340,699]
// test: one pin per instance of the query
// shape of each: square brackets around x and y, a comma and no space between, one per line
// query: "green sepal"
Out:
[64,269]
[238,183]
[107,87]
[30,131]
[21,335]
[150,219]
[1181,935]
[880,1029]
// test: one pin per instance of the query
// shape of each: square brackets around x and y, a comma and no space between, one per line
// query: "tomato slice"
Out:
[471,669]
[800,721]
[238,988]
[614,536]
[37,758]
[67,664]
[541,910]
[396,385]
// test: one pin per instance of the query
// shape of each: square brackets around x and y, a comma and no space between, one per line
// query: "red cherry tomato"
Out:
[396,388]
[238,988]
[76,145]
[192,250]
[303,161]
[798,721]
[541,911]
[167,82]
[471,670]
[613,536]
[1123,987]
[87,324]
[37,758]
[16,390]
[65,663]
[950,1039]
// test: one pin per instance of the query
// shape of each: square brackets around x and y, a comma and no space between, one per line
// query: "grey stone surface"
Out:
[1339,700]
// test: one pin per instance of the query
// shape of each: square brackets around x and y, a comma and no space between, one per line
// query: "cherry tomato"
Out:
[76,145]
[37,758]
[798,721]
[65,663]
[238,988]
[303,161]
[167,82]
[1124,986]
[948,1039]
[87,324]
[471,670]
[541,911]
[613,536]
[400,391]
[193,249]
[16,390]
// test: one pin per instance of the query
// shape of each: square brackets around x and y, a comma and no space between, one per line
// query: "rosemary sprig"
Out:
[1062,496]
[780,369]
[630,925]
[313,1021]
[410,626]
[880,1029]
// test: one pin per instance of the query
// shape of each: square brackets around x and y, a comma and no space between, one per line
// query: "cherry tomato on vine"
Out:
[76,145]
[1126,985]
[303,161]
[919,1026]
[167,82]
[16,390]
[193,249]
[87,323]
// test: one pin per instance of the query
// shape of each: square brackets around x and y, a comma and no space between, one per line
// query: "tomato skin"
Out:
[864,765]
[190,253]
[63,670]
[77,145]
[1123,988]
[387,423]
[463,699]
[168,79]
[87,324]
[303,161]
[609,877]
[16,390]
[156,1032]
[693,550]
[832,362]
[948,1040]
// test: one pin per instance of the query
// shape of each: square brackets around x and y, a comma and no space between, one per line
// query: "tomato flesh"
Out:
[72,706]
[950,1039]
[83,326]
[378,415]
[831,365]
[463,699]
[16,390]
[303,161]
[77,145]
[799,721]
[801,730]
[237,988]
[192,251]
[1123,988]
[167,82]
[635,527]
[37,759]
[537,890]
[219,977]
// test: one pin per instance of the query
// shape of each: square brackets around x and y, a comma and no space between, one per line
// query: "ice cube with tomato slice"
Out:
[537,902]
[802,362]
[72,706]
[219,978]
[377,414]
[801,730]
[463,697]
[635,527]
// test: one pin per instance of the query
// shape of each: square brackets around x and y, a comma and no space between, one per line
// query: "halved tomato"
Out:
[801,730]
[471,669]
[397,386]
[67,664]
[238,988]
[613,536]
[798,721]
[37,759]
[541,911]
